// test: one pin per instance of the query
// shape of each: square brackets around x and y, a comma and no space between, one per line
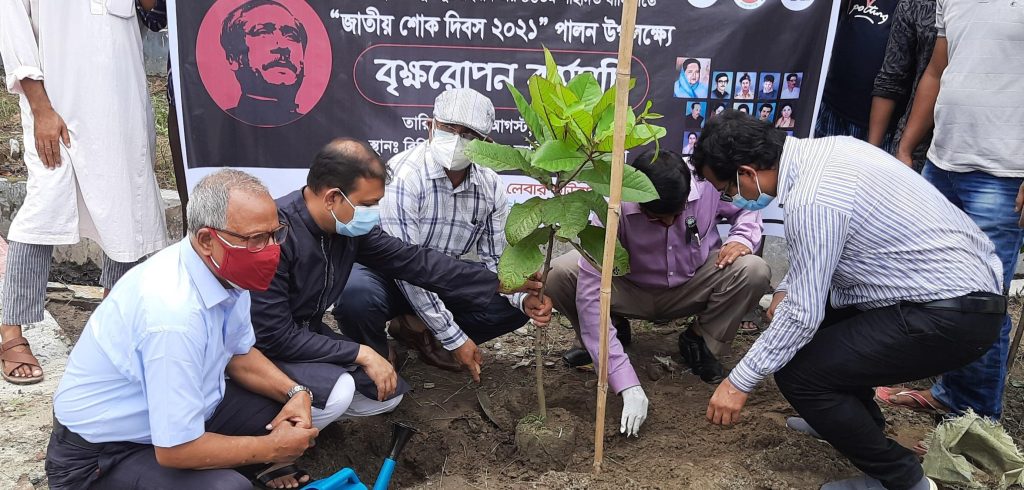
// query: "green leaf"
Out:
[540,130]
[570,211]
[558,156]
[636,187]
[552,68]
[523,219]
[496,156]
[591,246]
[643,134]
[587,90]
[546,101]
[608,100]
[598,205]
[606,128]
[518,262]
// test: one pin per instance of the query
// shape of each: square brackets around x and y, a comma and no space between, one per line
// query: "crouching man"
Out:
[145,402]
[678,267]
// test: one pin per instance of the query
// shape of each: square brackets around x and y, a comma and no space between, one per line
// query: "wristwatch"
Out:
[296,389]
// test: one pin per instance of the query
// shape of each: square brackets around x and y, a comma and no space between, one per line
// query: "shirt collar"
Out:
[210,289]
[788,168]
[296,203]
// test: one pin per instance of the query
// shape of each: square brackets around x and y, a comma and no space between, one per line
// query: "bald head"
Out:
[342,162]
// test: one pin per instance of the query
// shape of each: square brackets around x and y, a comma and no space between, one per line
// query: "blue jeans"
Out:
[989,201]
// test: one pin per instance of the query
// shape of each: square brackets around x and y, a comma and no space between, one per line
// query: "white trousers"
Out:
[345,402]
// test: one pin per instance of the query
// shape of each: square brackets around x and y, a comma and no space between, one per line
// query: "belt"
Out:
[985,303]
[67,435]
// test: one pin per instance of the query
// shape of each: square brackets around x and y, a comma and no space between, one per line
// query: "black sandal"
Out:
[268,475]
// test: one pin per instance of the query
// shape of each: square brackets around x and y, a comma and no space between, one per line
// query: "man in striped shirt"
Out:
[888,283]
[440,200]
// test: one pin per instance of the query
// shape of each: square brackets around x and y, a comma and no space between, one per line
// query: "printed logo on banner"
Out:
[264,63]
[702,4]
[797,5]
[749,4]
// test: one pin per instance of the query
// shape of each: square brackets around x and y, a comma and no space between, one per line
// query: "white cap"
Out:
[465,107]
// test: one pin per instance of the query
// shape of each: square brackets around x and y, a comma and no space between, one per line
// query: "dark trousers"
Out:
[73,463]
[829,381]
[371,299]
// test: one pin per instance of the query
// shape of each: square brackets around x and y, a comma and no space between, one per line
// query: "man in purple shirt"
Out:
[678,267]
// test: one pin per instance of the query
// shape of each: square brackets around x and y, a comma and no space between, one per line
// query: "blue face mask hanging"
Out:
[364,218]
[760,203]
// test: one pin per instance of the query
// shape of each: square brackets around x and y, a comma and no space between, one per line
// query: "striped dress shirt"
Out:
[421,207]
[872,232]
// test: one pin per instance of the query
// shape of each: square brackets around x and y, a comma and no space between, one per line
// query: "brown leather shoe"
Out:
[429,349]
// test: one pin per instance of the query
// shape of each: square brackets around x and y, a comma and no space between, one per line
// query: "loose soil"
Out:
[460,447]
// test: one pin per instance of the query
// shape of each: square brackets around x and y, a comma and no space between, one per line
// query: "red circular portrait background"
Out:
[216,72]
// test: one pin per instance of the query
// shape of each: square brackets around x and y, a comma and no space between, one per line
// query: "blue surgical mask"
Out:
[364,218]
[760,203]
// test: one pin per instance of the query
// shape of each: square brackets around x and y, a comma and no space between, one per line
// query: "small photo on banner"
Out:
[694,118]
[690,141]
[765,111]
[746,84]
[784,116]
[694,74]
[722,86]
[791,86]
[768,89]
[743,107]
[717,108]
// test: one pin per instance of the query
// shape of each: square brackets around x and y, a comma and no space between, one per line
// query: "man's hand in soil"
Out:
[634,410]
[379,370]
[468,355]
[538,309]
[730,252]
[725,405]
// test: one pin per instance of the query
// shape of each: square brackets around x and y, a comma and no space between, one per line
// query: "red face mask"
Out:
[247,270]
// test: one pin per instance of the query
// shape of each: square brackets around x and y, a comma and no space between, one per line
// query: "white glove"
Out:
[634,410]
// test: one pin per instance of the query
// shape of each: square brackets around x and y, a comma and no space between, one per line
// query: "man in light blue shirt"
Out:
[689,86]
[144,399]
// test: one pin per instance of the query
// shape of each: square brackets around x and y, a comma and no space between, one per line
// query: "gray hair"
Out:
[208,201]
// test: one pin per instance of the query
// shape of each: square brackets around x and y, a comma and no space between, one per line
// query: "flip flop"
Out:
[753,317]
[918,402]
[18,359]
[275,471]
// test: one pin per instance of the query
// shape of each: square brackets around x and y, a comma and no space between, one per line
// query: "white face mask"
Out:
[447,150]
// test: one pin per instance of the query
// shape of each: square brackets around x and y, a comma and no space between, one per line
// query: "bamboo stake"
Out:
[628,25]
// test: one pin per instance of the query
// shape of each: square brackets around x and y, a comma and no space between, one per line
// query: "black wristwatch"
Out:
[296,389]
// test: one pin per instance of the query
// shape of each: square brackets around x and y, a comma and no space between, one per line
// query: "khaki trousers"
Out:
[719,297]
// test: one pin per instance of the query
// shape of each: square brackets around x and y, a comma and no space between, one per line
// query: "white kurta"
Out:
[89,55]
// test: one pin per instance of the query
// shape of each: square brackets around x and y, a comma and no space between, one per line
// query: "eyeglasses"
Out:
[723,193]
[462,132]
[257,241]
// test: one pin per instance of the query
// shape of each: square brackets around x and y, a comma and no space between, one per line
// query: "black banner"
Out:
[265,83]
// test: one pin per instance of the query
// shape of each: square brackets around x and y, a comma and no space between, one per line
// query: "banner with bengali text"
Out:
[261,85]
